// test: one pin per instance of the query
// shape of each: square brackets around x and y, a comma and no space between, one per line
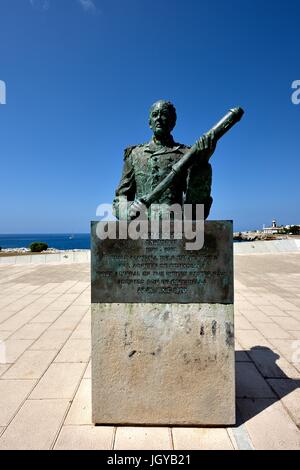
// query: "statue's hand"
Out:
[206,145]
[136,208]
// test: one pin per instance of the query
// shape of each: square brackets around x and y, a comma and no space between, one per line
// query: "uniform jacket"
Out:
[147,164]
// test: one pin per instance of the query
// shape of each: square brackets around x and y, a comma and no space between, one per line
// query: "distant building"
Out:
[274,229]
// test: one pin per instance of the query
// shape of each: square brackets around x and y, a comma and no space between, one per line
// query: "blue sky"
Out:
[82,74]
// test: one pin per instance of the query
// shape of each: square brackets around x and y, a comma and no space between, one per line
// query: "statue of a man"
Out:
[146,165]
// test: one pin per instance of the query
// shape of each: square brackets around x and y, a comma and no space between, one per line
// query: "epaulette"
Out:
[182,146]
[128,150]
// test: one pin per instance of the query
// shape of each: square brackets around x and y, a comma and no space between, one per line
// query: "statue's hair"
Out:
[171,108]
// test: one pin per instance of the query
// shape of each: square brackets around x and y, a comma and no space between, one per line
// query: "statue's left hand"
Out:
[137,208]
[206,145]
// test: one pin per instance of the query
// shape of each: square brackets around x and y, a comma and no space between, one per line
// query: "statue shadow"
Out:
[260,382]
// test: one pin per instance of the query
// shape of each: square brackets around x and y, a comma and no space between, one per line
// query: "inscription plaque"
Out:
[163,271]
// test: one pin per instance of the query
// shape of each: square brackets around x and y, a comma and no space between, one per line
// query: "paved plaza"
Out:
[45,374]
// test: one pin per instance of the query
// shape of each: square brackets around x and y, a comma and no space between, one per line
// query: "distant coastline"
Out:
[59,241]
[19,243]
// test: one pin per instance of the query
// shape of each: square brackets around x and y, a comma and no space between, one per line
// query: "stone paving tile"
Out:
[245,306]
[63,287]
[269,425]
[22,303]
[88,372]
[31,331]
[81,409]
[35,426]
[75,350]
[12,395]
[289,392]
[83,328]
[3,368]
[46,288]
[293,314]
[201,439]
[137,438]
[254,316]
[241,323]
[251,338]
[271,364]
[14,348]
[273,311]
[82,331]
[285,305]
[78,288]
[249,382]
[294,334]
[59,305]
[85,438]
[5,315]
[259,301]
[60,381]
[289,348]
[77,310]
[51,339]
[68,320]
[5,334]
[31,365]
[83,300]
[272,330]
[288,323]
[45,301]
[240,354]
[46,316]
[69,298]
[267,305]
[19,319]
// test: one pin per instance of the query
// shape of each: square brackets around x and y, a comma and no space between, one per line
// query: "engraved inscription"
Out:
[162,270]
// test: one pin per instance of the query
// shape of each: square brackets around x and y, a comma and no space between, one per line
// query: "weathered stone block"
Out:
[163,364]
[162,330]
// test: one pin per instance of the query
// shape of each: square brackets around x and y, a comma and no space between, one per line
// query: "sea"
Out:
[60,241]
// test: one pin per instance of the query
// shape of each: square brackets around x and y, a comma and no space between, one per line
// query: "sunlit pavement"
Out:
[45,376]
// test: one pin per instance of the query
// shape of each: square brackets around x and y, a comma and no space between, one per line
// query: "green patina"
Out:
[146,165]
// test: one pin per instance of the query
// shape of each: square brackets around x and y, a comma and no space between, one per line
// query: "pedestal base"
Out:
[163,364]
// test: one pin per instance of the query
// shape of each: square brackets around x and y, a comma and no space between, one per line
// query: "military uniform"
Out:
[145,166]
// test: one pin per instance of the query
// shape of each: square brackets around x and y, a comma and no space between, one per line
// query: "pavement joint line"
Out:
[282,402]
[39,314]
[242,436]
[71,401]
[232,438]
[113,439]
[17,411]
[39,379]
[171,438]
[284,294]
[53,360]
[51,447]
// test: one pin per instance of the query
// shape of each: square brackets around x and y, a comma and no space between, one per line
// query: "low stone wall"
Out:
[264,247]
[47,258]
[242,248]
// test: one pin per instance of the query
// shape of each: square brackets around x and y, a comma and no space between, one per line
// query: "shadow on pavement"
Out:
[260,383]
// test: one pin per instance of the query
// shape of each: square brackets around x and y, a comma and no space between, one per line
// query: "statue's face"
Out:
[161,121]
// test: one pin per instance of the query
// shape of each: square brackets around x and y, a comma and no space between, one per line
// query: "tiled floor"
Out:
[45,377]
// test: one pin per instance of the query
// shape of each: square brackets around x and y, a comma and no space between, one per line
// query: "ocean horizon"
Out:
[59,241]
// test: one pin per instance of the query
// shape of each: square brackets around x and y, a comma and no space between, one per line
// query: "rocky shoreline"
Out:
[26,251]
[256,236]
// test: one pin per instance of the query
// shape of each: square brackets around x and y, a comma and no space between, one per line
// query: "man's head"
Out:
[162,118]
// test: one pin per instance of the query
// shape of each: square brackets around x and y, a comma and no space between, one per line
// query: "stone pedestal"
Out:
[165,354]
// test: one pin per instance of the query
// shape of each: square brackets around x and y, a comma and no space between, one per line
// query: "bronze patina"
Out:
[166,172]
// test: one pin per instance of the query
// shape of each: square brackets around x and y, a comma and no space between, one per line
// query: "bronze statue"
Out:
[166,172]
